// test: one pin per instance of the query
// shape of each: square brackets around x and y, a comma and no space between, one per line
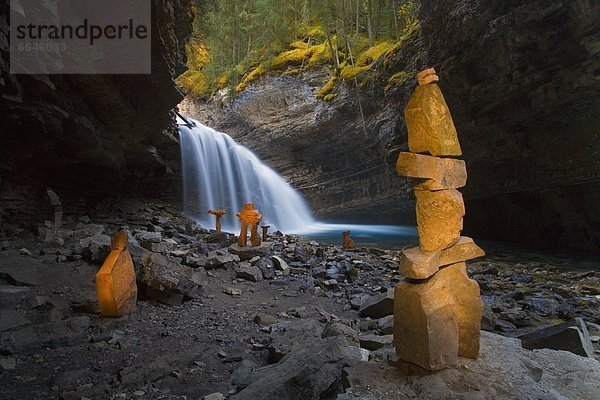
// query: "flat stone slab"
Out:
[375,342]
[249,252]
[416,264]
[378,306]
[569,336]
[439,173]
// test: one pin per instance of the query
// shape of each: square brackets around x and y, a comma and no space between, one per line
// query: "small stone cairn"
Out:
[249,217]
[218,214]
[437,309]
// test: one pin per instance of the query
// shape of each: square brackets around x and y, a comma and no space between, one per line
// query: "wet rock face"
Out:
[521,82]
[93,132]
[344,171]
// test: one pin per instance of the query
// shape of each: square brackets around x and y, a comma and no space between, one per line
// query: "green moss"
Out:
[326,90]
[366,60]
[372,54]
[255,73]
[351,72]
[193,81]
[398,79]
[320,54]
[290,57]
[330,97]
[239,88]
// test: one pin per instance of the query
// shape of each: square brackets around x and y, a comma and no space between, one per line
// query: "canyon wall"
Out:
[523,82]
[92,135]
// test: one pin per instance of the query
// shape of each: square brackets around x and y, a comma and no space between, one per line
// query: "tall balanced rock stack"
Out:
[437,309]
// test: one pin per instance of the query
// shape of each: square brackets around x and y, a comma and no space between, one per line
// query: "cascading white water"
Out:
[219,173]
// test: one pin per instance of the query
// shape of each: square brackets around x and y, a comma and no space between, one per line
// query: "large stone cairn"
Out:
[437,309]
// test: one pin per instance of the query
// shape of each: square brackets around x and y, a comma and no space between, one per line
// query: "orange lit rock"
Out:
[115,281]
[218,214]
[427,76]
[439,218]
[465,249]
[439,173]
[438,319]
[430,126]
[347,242]
[426,324]
[469,308]
[249,217]
[416,264]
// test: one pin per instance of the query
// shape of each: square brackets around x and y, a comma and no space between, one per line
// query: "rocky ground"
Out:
[292,320]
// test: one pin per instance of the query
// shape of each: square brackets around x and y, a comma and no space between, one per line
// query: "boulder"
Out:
[95,248]
[439,218]
[288,335]
[67,332]
[150,241]
[167,280]
[249,272]
[569,336]
[426,324]
[222,239]
[378,306]
[309,371]
[438,173]
[220,259]
[430,125]
[375,342]
[303,253]
[339,329]
[385,325]
[281,267]
[265,320]
[267,267]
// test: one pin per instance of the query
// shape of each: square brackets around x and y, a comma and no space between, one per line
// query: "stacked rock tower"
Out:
[437,308]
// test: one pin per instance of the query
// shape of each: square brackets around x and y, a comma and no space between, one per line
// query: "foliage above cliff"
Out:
[239,41]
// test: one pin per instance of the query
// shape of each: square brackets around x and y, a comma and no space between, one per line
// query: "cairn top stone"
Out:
[427,76]
[430,125]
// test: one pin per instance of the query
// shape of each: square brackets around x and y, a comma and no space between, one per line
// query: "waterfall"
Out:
[221,174]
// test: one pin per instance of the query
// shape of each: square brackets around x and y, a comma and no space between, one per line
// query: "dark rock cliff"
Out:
[522,80]
[92,135]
